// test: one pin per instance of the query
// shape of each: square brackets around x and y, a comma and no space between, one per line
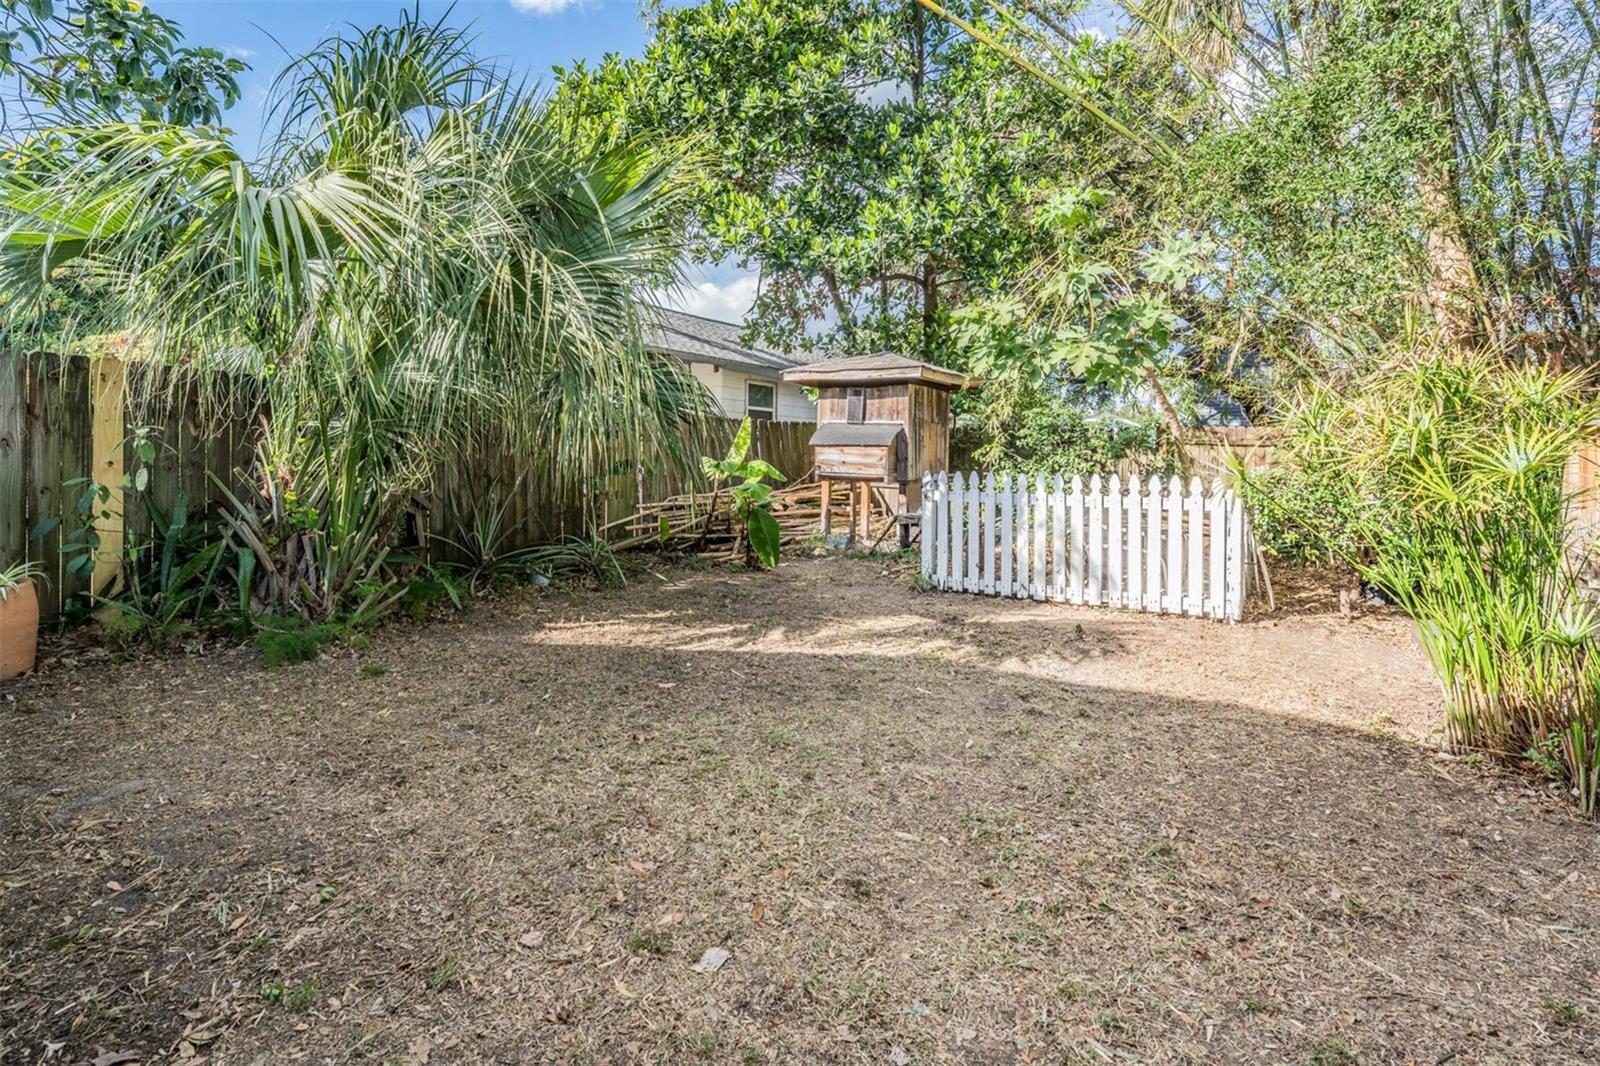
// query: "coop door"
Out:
[855,405]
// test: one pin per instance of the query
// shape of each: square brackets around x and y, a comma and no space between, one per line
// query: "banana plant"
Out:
[755,527]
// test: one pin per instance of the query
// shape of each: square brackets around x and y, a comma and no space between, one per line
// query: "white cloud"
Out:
[543,7]
[727,301]
[236,51]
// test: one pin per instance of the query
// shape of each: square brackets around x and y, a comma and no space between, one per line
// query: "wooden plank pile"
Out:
[703,521]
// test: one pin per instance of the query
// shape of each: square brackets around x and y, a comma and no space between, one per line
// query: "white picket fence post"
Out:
[1194,534]
[1116,546]
[928,526]
[1216,517]
[1008,503]
[1152,546]
[1058,541]
[986,505]
[974,497]
[1235,568]
[1134,596]
[1160,547]
[1024,558]
[1040,512]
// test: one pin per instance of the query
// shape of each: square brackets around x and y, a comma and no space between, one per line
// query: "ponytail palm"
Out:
[426,261]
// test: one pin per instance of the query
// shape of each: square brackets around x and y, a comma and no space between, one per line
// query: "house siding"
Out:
[727,387]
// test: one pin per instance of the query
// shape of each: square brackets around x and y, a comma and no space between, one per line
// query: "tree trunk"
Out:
[1451,289]
[1174,423]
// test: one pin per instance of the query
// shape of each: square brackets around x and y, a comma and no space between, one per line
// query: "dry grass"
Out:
[927,827]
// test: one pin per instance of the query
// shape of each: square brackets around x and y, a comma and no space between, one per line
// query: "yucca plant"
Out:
[425,261]
[1456,469]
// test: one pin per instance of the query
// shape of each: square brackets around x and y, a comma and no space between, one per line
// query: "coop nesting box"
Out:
[882,422]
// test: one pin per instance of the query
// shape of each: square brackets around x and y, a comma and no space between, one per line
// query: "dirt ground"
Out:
[925,827]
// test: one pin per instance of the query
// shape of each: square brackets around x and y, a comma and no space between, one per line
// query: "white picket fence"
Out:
[1152,547]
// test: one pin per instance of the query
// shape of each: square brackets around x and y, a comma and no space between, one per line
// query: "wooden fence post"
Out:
[106,406]
[13,461]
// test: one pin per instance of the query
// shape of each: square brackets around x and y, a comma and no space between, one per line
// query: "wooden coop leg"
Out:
[866,512]
[827,507]
[854,525]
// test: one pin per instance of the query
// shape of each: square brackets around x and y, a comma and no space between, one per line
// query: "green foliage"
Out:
[1302,516]
[479,511]
[13,577]
[1038,432]
[1455,472]
[425,591]
[296,998]
[110,58]
[1313,196]
[875,163]
[585,559]
[1077,312]
[397,291]
[284,639]
[752,504]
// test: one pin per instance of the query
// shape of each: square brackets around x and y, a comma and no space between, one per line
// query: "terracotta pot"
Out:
[19,631]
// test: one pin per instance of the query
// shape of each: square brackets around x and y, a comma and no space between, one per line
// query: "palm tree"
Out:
[426,260]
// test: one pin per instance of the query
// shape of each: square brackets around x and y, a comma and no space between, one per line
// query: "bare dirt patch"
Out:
[925,827]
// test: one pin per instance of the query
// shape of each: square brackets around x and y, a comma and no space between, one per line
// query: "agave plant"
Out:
[427,260]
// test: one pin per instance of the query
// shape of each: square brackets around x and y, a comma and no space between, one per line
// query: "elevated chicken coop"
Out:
[882,422]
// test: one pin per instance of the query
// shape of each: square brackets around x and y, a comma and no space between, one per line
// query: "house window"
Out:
[759,401]
[855,405]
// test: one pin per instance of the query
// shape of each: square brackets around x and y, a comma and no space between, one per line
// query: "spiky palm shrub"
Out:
[1456,468]
[427,261]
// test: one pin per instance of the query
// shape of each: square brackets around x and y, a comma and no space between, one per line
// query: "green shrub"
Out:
[285,639]
[1454,469]
[425,591]
[1042,433]
[1302,516]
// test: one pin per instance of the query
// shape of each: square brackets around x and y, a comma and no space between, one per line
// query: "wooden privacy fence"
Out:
[1208,453]
[65,419]
[1161,548]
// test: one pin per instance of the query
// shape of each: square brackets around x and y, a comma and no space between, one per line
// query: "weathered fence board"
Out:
[64,419]
[1159,546]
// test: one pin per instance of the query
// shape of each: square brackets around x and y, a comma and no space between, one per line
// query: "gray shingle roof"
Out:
[705,340]
[880,367]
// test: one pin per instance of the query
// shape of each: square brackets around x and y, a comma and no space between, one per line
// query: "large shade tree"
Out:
[875,164]
[425,260]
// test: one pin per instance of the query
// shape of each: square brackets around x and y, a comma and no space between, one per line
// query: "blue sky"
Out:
[530,36]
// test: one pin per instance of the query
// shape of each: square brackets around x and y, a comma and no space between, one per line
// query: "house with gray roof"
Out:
[745,380]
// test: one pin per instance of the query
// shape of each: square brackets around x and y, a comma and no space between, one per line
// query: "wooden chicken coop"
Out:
[882,422]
